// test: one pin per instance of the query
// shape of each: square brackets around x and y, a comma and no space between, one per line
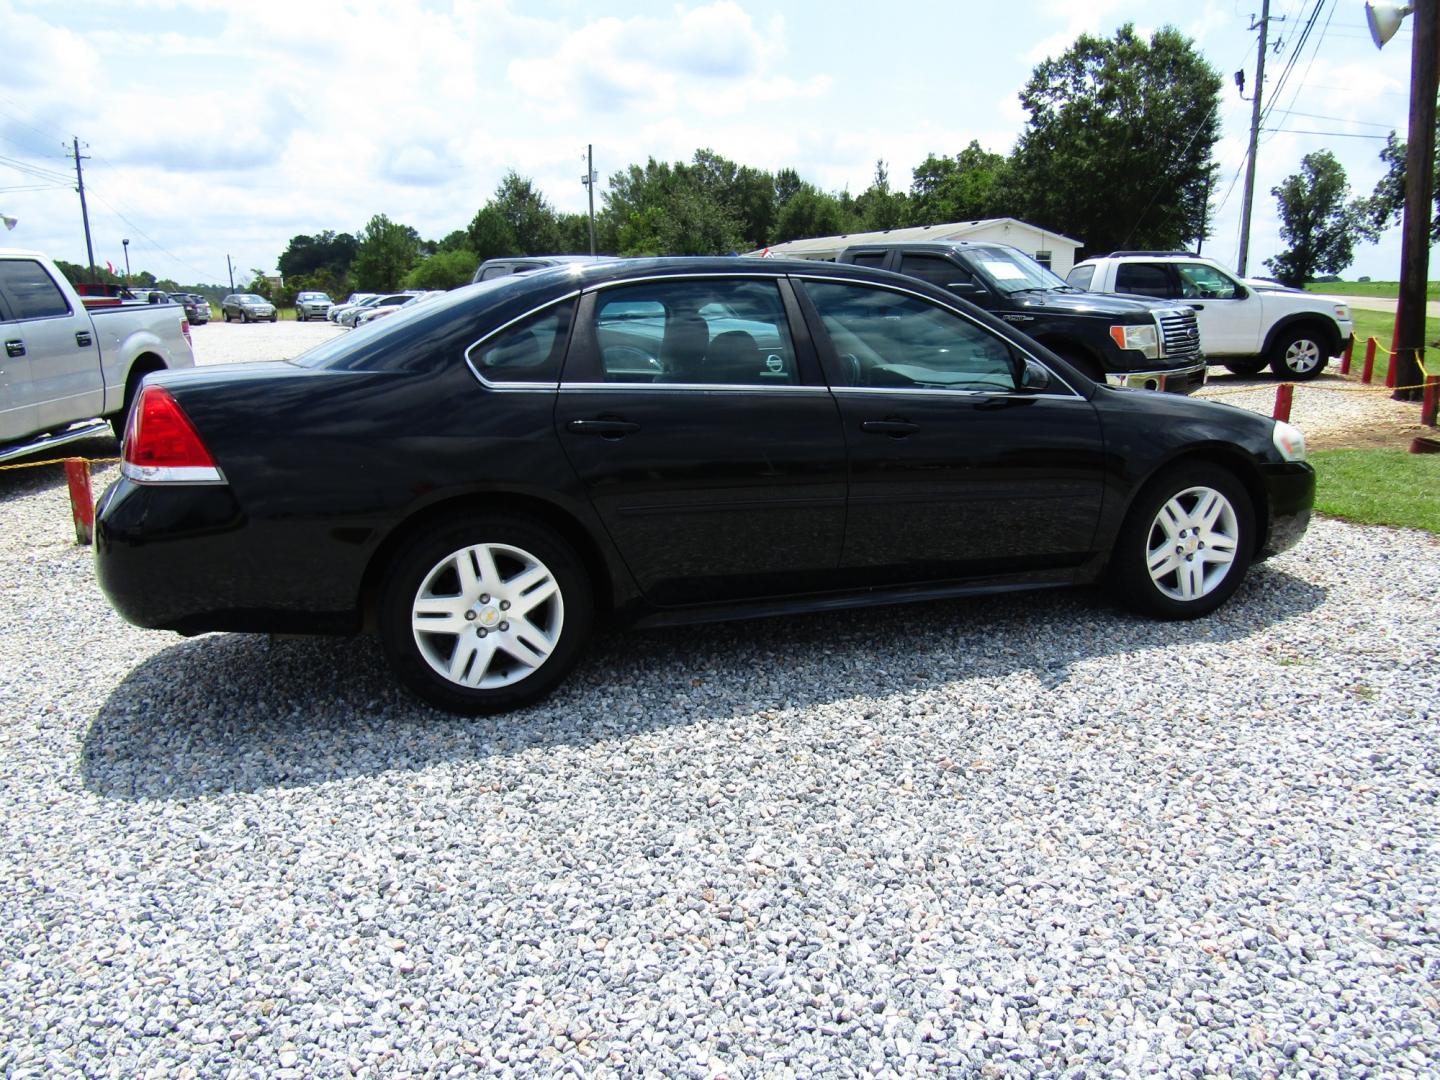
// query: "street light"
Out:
[1384,19]
[10,222]
[126,242]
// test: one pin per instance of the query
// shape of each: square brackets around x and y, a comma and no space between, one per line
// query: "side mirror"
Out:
[965,288]
[1241,292]
[1034,377]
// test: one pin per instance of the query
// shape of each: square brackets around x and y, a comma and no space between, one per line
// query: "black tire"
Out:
[426,565]
[299,315]
[1301,352]
[1245,368]
[225,314]
[1144,539]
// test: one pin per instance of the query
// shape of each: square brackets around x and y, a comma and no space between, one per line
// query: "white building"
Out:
[1050,248]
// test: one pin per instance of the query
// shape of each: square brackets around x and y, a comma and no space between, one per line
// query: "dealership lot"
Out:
[1033,834]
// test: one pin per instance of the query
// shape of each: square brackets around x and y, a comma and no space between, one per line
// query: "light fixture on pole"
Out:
[1409,341]
[10,222]
[126,242]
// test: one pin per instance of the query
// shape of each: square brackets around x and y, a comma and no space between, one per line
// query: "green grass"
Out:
[1381,326]
[1389,290]
[1379,487]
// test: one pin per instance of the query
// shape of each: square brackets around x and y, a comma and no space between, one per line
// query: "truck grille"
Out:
[1180,332]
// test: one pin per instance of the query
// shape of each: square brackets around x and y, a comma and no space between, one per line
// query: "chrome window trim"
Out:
[528,386]
[692,275]
[1054,375]
[734,388]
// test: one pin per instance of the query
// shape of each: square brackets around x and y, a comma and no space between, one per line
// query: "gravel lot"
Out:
[1021,836]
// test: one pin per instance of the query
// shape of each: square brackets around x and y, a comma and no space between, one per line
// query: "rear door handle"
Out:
[83,338]
[608,429]
[14,348]
[895,428]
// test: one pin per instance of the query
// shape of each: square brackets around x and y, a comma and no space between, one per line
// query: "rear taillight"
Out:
[185,329]
[162,446]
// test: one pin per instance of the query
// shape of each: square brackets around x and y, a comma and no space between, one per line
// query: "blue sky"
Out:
[217,128]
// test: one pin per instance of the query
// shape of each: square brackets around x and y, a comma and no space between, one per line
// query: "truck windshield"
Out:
[1012,271]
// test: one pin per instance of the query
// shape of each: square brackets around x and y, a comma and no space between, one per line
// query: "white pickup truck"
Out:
[1243,324]
[67,370]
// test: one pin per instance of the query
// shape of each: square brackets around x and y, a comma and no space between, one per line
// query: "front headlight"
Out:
[1144,339]
[1289,440]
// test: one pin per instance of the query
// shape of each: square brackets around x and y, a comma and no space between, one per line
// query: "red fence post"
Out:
[1345,357]
[1368,373]
[1391,371]
[82,502]
[1427,403]
[1284,395]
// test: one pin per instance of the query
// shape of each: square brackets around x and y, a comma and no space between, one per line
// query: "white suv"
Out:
[1243,325]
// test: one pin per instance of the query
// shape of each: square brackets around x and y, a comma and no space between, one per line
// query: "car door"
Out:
[961,466]
[695,415]
[1229,314]
[52,361]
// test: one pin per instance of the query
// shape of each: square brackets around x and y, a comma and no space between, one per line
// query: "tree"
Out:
[1314,220]
[811,212]
[1117,148]
[530,216]
[967,187]
[490,234]
[878,206]
[386,253]
[327,251]
[443,270]
[1386,206]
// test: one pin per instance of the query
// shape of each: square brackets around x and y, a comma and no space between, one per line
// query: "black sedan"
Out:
[668,441]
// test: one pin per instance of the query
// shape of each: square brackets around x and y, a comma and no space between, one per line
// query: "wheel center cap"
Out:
[489,616]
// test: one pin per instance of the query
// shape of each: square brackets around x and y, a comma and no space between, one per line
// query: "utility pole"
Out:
[1409,340]
[84,213]
[589,181]
[1264,28]
[231,268]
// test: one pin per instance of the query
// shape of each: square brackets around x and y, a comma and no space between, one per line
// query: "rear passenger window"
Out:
[529,351]
[1081,277]
[936,270]
[869,258]
[29,290]
[1145,279]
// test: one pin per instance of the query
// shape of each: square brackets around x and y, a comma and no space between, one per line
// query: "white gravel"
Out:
[1022,836]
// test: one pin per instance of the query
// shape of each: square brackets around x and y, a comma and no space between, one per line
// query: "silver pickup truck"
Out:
[66,370]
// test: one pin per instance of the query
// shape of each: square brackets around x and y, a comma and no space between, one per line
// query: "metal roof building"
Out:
[1050,248]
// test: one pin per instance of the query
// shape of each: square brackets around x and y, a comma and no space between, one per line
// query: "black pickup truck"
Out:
[1152,345]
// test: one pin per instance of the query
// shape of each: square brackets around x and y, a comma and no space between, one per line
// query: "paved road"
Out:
[1379,303]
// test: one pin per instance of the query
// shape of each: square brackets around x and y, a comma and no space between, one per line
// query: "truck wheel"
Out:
[1300,353]
[484,613]
[1245,367]
[1185,544]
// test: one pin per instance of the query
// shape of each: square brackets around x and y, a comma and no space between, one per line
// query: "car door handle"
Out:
[1197,307]
[895,428]
[14,348]
[83,338]
[609,429]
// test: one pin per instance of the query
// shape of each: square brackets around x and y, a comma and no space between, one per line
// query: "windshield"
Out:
[251,298]
[1012,271]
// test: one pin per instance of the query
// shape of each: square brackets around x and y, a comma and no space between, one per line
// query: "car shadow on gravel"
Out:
[242,713]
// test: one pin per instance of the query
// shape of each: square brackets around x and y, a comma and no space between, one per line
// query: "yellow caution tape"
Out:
[59,461]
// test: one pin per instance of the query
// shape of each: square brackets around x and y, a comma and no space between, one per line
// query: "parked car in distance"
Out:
[1243,325]
[1125,341]
[365,316]
[312,305]
[667,441]
[524,264]
[347,318]
[197,308]
[336,310]
[247,307]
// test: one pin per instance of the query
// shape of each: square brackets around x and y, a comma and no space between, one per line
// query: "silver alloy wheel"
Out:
[1192,543]
[1302,356]
[487,616]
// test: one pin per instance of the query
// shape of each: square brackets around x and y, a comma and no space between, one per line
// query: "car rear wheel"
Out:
[1300,354]
[485,614]
[1185,544]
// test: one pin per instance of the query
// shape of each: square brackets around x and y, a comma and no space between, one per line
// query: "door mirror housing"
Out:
[1035,377]
[967,289]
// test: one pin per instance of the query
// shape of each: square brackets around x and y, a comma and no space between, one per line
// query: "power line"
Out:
[1328,134]
[1337,119]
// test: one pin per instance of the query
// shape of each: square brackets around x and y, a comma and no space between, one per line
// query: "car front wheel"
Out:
[485,614]
[1185,544]
[1244,367]
[1300,354]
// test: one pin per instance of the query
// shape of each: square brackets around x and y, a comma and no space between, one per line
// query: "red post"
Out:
[1427,403]
[1392,370]
[82,502]
[1367,375]
[1284,395]
[1345,357]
